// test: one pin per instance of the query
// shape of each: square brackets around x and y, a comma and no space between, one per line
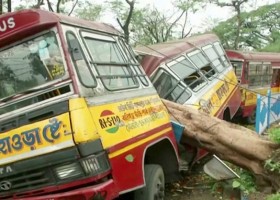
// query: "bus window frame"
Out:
[185,89]
[259,68]
[224,55]
[242,71]
[85,59]
[183,79]
[217,58]
[107,38]
[56,34]
[209,64]
[136,65]
[275,76]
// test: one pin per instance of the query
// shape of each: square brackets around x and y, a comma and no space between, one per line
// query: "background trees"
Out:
[259,30]
[255,30]
[5,6]
[239,20]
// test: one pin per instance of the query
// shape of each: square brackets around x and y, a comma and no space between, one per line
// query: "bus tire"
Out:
[252,118]
[155,184]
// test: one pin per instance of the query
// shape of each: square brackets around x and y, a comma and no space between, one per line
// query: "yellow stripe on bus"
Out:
[129,147]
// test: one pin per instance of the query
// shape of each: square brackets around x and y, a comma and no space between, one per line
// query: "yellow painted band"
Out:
[129,147]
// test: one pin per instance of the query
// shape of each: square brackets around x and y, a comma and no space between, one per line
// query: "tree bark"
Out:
[1,7]
[231,142]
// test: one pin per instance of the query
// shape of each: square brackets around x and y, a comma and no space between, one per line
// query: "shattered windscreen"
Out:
[30,64]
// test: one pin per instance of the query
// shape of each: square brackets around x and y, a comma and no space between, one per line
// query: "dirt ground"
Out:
[199,186]
[207,193]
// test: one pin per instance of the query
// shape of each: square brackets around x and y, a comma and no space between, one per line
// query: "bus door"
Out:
[238,66]
[275,82]
[240,70]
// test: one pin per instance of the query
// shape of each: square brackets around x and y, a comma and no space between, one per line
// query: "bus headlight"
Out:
[95,164]
[68,171]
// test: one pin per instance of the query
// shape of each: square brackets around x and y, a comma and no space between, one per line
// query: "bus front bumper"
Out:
[103,191]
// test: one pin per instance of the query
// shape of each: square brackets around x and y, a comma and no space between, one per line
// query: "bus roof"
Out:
[156,54]
[24,23]
[253,56]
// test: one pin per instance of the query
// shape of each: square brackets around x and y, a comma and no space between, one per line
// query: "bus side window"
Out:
[219,49]
[254,74]
[84,73]
[187,72]
[260,74]
[170,88]
[208,71]
[203,64]
[163,84]
[275,77]
[214,59]
[237,66]
[194,81]
[266,74]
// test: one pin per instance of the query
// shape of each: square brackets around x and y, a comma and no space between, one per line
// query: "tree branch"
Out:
[73,8]
[172,24]
[58,6]
[50,6]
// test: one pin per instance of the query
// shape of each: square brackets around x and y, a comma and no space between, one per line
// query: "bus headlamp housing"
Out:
[68,171]
[95,164]
[88,166]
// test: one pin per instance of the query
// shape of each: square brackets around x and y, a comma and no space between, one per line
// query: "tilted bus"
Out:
[256,72]
[79,119]
[193,71]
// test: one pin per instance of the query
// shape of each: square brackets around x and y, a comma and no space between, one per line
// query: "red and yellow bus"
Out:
[195,72]
[79,118]
[256,72]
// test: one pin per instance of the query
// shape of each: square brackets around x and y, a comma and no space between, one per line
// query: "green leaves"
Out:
[236,184]
[245,183]
[273,197]
[259,30]
[91,12]
[272,165]
[274,134]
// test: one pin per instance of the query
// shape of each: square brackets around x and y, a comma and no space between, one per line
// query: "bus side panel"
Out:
[128,173]
[126,129]
[224,94]
[249,98]
[233,104]
[121,121]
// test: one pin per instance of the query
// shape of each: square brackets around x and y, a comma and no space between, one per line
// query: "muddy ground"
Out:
[199,186]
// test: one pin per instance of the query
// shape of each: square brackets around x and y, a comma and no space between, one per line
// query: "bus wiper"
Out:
[22,93]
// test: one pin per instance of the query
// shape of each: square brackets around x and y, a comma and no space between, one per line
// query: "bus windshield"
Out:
[30,64]
[111,64]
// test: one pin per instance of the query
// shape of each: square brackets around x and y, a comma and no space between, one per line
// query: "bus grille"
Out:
[27,180]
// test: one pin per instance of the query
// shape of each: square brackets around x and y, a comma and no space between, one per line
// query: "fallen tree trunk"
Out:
[236,144]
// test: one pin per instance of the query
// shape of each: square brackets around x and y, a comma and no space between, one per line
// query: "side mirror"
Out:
[75,50]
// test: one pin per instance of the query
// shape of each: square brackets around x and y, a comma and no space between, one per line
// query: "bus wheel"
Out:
[252,118]
[154,189]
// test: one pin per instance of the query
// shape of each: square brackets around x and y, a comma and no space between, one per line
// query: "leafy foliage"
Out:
[272,165]
[90,11]
[274,135]
[273,197]
[245,183]
[259,30]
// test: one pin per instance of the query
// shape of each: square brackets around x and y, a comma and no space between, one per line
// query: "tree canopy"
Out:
[259,30]
[256,30]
